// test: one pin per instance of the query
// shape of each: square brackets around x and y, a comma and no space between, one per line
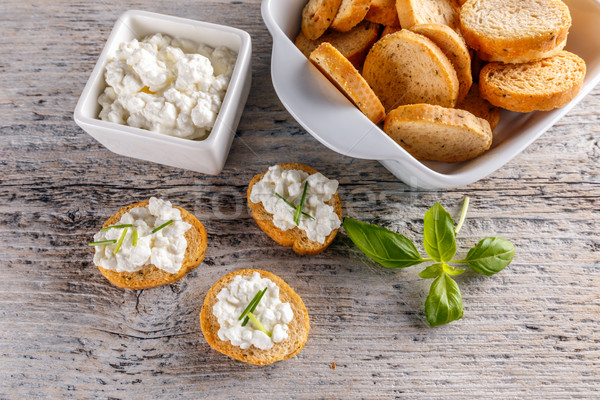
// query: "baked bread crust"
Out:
[515,31]
[353,44]
[408,68]
[436,133]
[150,276]
[317,16]
[295,238]
[348,80]
[536,86]
[479,107]
[297,333]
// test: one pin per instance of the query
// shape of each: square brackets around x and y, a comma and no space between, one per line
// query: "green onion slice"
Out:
[116,227]
[298,212]
[134,238]
[169,222]
[120,242]
[102,243]
[292,205]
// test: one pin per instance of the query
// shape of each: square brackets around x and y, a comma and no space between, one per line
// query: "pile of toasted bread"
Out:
[437,72]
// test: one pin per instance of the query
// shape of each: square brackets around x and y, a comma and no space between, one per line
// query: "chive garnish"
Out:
[258,325]
[298,212]
[134,238]
[120,242]
[116,227]
[292,205]
[169,222]
[250,309]
[102,243]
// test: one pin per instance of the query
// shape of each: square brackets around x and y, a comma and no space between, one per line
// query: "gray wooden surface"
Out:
[532,331]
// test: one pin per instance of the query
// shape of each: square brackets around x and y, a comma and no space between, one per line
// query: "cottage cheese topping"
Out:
[165,248]
[290,184]
[166,85]
[271,312]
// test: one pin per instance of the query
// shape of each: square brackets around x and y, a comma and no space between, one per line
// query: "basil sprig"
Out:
[393,250]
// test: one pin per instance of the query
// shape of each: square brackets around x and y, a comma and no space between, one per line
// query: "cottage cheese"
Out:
[290,184]
[165,248]
[166,85]
[271,312]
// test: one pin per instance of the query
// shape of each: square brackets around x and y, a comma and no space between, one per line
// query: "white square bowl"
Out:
[328,116]
[206,156]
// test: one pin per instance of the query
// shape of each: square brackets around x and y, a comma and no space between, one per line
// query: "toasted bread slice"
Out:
[407,68]
[479,107]
[350,13]
[150,276]
[348,80]
[515,31]
[353,44]
[383,12]
[438,134]
[455,48]
[539,85]
[317,16]
[390,29]
[295,238]
[413,12]
[297,329]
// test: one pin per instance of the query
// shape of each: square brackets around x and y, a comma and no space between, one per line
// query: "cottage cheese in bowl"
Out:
[166,85]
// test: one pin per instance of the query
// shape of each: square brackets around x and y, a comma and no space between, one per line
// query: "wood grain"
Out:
[531,332]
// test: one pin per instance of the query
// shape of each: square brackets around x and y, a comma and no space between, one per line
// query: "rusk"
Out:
[348,80]
[413,12]
[289,347]
[515,31]
[438,134]
[295,237]
[350,13]
[455,48]
[317,16]
[150,276]
[479,107]
[539,85]
[408,68]
[383,12]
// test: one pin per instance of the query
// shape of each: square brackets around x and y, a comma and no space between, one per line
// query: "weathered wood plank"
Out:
[530,332]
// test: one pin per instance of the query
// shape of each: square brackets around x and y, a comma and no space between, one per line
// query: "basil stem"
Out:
[463,215]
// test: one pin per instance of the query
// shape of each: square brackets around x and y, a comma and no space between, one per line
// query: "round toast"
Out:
[535,86]
[515,31]
[408,68]
[150,276]
[383,12]
[295,238]
[436,133]
[348,80]
[297,333]
[317,16]
[455,48]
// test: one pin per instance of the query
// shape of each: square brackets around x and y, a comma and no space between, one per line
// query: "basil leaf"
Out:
[444,303]
[439,238]
[433,271]
[490,255]
[390,249]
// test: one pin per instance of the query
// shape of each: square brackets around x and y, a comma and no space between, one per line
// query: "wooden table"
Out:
[531,331]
